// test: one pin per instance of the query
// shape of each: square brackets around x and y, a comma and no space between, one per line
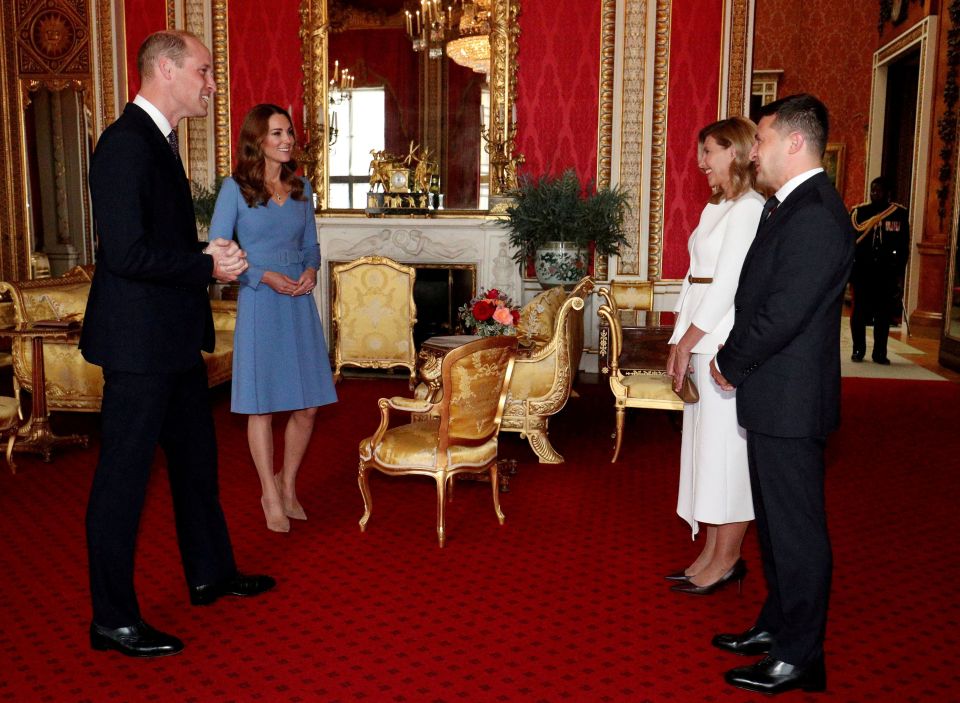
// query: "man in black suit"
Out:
[783,357]
[879,261]
[147,319]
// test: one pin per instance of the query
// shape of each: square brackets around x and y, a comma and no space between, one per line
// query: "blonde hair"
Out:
[738,132]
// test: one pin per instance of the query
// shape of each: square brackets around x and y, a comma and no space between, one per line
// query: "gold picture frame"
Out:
[834,162]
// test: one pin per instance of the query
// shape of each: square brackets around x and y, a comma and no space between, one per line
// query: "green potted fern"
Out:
[204,202]
[555,220]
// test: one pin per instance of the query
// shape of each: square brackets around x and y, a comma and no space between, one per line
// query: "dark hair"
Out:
[738,132]
[170,43]
[250,165]
[801,113]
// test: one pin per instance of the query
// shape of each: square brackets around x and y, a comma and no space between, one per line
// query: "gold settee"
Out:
[543,378]
[72,384]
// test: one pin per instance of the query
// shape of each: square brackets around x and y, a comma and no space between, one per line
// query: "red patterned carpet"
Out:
[563,603]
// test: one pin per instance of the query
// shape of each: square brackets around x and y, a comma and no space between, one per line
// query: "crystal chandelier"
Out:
[472,48]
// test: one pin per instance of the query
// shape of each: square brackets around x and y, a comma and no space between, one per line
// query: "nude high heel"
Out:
[296,512]
[275,524]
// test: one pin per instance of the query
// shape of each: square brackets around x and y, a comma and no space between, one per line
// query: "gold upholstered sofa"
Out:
[72,384]
[551,329]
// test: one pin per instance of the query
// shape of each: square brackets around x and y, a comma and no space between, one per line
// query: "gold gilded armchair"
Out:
[373,315]
[460,434]
[71,383]
[644,388]
[542,381]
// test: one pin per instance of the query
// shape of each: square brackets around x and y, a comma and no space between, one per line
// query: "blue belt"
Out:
[283,257]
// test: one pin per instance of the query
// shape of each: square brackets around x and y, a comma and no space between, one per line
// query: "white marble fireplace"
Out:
[478,242]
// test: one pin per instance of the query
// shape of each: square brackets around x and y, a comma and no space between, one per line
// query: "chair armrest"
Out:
[410,405]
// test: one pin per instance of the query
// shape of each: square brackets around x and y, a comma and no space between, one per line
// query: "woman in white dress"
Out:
[714,479]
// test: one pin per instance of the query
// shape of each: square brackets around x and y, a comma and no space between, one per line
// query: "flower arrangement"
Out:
[491,313]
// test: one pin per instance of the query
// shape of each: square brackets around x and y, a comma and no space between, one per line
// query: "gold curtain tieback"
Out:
[694,279]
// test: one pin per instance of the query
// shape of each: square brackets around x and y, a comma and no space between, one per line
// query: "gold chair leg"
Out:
[495,485]
[621,412]
[540,444]
[13,438]
[367,499]
[441,509]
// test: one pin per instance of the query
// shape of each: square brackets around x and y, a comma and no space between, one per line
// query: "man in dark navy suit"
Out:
[147,319]
[783,357]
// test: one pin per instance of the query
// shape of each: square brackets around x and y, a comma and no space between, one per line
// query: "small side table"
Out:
[36,436]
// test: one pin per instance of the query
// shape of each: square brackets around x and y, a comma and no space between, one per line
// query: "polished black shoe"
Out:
[857,356]
[736,573]
[752,642]
[677,576]
[239,585]
[882,360]
[773,676]
[138,640]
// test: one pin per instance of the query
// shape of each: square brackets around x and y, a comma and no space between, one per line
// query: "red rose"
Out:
[493,294]
[482,310]
[516,316]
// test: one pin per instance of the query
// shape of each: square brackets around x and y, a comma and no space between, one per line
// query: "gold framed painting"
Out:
[834,162]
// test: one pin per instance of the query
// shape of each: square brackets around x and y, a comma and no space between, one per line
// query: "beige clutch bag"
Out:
[688,391]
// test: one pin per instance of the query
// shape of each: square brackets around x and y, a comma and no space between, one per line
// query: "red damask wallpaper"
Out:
[265,59]
[826,48]
[141,17]
[692,103]
[558,86]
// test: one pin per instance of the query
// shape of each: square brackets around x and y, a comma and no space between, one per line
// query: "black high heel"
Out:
[736,573]
[677,576]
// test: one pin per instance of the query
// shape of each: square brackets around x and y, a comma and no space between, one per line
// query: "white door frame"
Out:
[924,34]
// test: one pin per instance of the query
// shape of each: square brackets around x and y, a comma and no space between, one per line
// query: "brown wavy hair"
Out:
[738,132]
[250,162]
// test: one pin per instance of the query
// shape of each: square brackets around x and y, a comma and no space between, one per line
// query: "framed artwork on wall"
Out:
[833,163]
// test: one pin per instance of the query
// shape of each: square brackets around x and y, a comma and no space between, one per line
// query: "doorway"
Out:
[898,141]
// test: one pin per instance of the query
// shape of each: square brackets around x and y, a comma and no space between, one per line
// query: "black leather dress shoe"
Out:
[773,676]
[882,360]
[138,640]
[857,356]
[239,585]
[752,642]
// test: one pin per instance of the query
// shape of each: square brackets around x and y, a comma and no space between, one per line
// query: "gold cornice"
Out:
[737,79]
[313,41]
[633,132]
[608,29]
[900,43]
[221,70]
[14,260]
[658,144]
[107,87]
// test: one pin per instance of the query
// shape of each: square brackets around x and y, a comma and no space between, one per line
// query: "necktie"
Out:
[768,208]
[174,143]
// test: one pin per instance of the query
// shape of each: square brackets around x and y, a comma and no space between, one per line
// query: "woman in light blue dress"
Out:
[280,360]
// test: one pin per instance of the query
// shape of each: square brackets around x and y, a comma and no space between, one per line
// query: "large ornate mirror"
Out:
[394,75]
[58,143]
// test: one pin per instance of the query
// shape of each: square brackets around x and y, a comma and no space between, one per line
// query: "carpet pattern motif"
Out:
[565,602]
